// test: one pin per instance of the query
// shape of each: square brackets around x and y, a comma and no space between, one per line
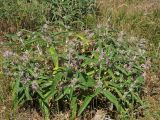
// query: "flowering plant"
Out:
[79,68]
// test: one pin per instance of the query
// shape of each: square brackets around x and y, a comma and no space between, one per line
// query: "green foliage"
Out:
[72,12]
[22,14]
[74,66]
[73,107]
[31,14]
[57,64]
[54,56]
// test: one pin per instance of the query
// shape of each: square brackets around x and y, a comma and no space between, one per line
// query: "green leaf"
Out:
[140,80]
[40,94]
[53,89]
[44,107]
[50,94]
[86,101]
[56,79]
[89,61]
[66,91]
[137,98]
[90,73]
[73,108]
[16,87]
[120,95]
[111,73]
[46,84]
[15,92]
[54,56]
[71,93]
[30,42]
[18,102]
[26,90]
[31,71]
[82,38]
[122,70]
[113,100]
[86,81]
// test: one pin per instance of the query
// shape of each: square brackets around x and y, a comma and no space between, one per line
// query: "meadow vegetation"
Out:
[72,59]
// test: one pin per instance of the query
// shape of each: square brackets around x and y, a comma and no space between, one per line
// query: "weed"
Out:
[20,14]
[72,64]
[73,12]
[84,70]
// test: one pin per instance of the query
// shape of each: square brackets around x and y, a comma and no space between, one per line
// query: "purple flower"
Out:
[25,57]
[34,85]
[8,54]
[101,55]
[147,65]
[128,67]
[107,62]
[25,81]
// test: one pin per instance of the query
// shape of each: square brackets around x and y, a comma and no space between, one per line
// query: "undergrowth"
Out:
[22,14]
[61,60]
[141,19]
[79,68]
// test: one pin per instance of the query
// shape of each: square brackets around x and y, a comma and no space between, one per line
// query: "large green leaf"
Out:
[123,70]
[44,105]
[87,100]
[40,93]
[73,107]
[67,91]
[15,92]
[113,100]
[54,56]
[86,81]
[120,95]
[27,93]
[136,97]
[53,89]
[110,72]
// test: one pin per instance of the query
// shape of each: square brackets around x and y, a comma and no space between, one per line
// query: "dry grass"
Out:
[5,97]
[152,94]
[139,18]
[136,17]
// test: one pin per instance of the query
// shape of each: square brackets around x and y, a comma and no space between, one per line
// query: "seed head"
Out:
[34,85]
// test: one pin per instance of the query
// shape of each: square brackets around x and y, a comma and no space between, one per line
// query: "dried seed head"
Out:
[34,85]
[99,84]
[44,28]
[19,33]
[73,82]
[25,57]
[101,57]
[90,35]
[99,26]
[120,36]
